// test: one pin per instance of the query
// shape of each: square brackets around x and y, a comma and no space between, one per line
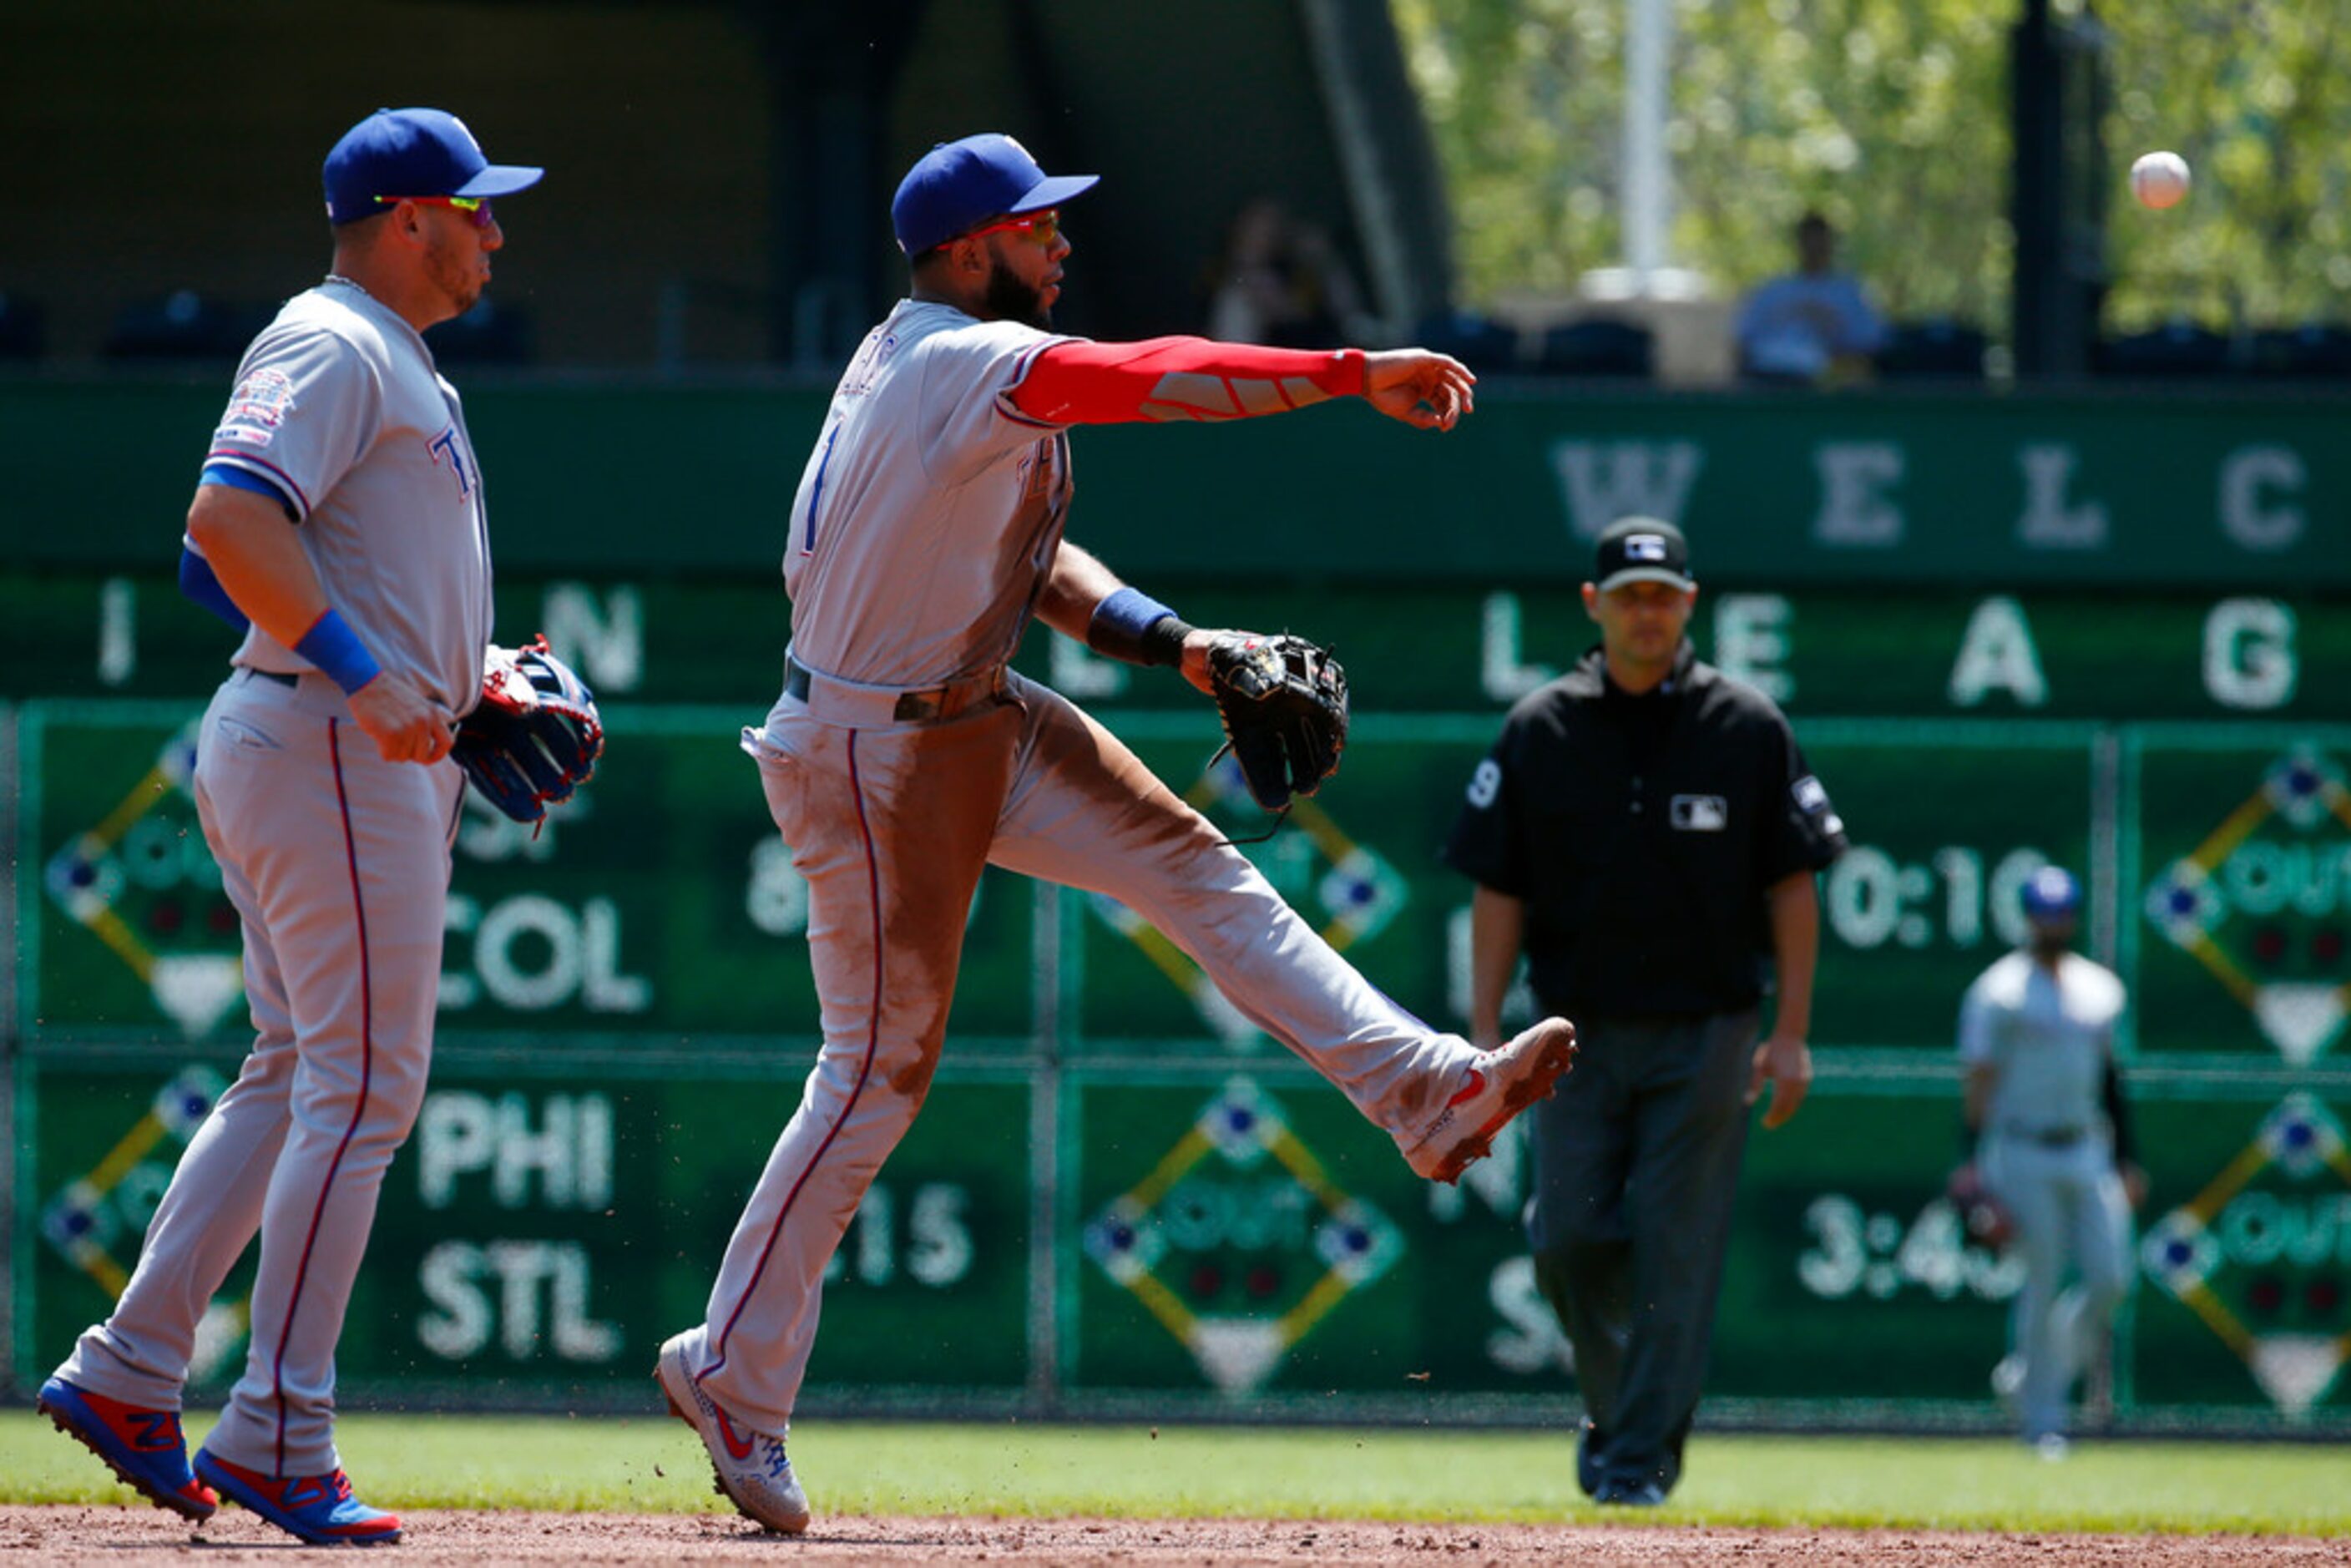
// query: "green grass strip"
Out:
[1018,1469]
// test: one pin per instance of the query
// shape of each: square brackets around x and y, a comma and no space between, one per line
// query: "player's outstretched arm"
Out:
[1167,380]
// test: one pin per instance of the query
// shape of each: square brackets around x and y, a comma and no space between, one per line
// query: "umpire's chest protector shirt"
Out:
[1642,833]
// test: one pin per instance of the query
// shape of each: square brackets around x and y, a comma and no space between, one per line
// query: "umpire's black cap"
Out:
[1641,549]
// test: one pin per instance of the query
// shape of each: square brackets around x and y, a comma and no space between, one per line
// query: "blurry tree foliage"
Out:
[1891,117]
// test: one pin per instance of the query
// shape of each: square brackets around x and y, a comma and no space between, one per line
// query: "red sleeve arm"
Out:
[1083,382]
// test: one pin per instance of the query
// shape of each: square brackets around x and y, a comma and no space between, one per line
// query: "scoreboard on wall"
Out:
[626,1014]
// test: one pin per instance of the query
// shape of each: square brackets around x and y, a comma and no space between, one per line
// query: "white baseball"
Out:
[2160,180]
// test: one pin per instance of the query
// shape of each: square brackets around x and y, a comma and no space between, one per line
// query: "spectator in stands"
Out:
[1813,325]
[1279,281]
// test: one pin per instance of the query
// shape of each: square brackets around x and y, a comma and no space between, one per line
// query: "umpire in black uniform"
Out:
[1647,831]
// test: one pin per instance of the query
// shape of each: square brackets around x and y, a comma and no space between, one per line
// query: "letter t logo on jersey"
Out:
[445,446]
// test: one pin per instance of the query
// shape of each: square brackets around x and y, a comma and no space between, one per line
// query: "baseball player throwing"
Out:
[340,521]
[902,756]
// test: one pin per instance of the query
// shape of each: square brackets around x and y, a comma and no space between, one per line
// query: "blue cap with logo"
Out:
[397,152]
[958,186]
[2051,894]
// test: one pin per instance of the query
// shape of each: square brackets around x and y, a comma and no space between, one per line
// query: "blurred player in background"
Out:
[2046,1126]
[903,756]
[338,522]
[1645,831]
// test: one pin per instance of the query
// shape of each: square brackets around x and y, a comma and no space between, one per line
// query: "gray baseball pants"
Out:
[338,862]
[2070,1212]
[891,826]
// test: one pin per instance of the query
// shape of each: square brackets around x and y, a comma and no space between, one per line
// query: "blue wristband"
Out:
[1133,626]
[335,648]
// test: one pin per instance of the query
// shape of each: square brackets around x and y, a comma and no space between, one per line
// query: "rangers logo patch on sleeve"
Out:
[261,398]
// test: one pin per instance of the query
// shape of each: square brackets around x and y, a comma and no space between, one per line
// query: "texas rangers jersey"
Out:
[337,406]
[2048,1035]
[930,507]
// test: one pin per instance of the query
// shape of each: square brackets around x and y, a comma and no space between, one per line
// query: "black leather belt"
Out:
[796,678]
[281,678]
[2052,1137]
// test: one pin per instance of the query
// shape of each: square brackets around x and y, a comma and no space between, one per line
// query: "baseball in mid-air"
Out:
[2160,180]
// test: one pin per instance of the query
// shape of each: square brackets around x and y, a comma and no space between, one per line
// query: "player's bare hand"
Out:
[1786,1063]
[405,725]
[1422,388]
[2133,1183]
[1195,658]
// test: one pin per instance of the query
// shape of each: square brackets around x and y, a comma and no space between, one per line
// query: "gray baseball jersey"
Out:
[338,407]
[2048,1035]
[930,508]
[338,863]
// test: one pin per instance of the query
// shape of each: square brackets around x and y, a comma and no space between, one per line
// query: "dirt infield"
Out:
[117,1535]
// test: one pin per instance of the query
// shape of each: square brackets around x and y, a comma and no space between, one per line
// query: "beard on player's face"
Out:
[1010,297]
[454,272]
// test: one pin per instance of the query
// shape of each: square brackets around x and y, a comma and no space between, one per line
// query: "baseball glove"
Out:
[1983,1218]
[1283,701]
[534,738]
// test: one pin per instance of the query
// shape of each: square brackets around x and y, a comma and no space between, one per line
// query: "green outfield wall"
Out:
[2112,485]
[2111,631]
[1122,1196]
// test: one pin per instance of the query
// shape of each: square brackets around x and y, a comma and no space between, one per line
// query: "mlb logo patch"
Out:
[1812,800]
[1700,813]
[1646,548]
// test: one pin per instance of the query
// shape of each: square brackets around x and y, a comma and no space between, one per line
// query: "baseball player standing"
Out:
[2049,1132]
[904,756]
[338,519]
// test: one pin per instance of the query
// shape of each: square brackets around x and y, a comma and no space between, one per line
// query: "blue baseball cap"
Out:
[412,152]
[2051,893]
[958,186]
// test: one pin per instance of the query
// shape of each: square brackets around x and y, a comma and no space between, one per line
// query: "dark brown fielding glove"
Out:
[1283,701]
[1982,1217]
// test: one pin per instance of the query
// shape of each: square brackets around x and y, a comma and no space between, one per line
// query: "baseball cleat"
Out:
[320,1510]
[1497,1086]
[748,1466]
[144,1448]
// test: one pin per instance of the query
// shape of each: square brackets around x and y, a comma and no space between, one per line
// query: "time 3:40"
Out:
[1854,1252]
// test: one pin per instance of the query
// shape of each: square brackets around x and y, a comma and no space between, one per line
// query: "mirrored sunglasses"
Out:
[474,207]
[1043,227]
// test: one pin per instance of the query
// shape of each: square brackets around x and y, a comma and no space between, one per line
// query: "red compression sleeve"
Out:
[1081,383]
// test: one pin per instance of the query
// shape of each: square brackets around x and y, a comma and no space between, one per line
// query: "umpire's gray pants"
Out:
[1636,1160]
